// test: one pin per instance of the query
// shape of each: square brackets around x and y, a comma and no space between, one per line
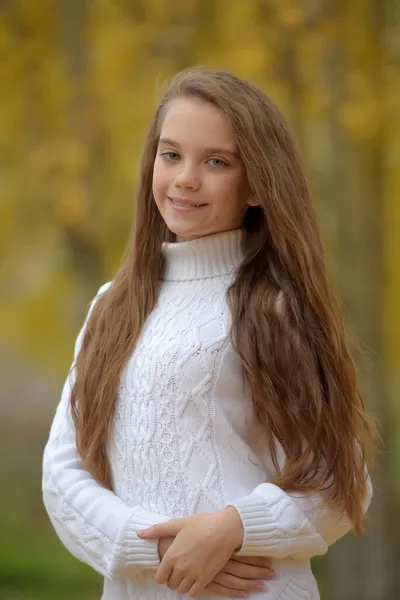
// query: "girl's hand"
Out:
[203,545]
[241,574]
[163,545]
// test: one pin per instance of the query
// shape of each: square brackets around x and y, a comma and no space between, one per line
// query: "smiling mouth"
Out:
[183,204]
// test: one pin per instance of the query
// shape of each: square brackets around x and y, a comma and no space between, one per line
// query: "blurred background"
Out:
[78,83]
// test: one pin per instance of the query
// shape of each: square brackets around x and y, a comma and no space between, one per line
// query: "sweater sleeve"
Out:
[281,525]
[94,524]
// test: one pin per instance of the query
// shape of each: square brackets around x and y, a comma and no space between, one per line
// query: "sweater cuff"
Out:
[137,552]
[274,526]
[260,529]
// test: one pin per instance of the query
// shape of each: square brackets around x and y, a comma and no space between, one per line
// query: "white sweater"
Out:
[184,441]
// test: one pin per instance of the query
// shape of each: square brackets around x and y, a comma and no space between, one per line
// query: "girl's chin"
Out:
[187,237]
[185,234]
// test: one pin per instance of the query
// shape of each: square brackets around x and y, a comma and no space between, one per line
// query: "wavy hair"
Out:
[287,327]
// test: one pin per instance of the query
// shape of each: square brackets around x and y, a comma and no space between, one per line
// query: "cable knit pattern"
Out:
[184,441]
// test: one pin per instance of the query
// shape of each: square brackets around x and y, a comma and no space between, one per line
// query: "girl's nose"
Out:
[187,177]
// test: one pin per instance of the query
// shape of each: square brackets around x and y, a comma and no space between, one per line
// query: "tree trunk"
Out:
[84,252]
[361,569]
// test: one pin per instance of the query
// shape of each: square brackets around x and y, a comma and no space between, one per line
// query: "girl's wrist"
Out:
[234,526]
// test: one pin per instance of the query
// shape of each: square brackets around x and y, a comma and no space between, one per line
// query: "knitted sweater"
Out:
[184,441]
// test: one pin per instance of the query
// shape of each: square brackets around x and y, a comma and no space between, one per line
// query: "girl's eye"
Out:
[170,156]
[217,162]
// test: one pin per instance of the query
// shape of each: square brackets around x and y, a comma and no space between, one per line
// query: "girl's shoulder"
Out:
[103,288]
[99,293]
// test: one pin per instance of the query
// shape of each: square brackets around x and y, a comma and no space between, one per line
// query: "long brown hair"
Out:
[286,326]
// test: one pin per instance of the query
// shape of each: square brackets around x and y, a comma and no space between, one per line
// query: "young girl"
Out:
[210,437]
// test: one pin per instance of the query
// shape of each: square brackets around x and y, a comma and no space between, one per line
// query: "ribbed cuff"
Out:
[274,526]
[134,551]
[260,528]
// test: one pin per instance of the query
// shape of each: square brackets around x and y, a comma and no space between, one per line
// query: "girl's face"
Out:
[199,182]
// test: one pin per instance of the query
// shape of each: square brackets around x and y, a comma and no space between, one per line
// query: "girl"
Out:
[211,425]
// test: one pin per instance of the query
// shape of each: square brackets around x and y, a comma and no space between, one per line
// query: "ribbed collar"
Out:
[209,256]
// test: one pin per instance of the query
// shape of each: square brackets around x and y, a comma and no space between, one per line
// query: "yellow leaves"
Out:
[248,60]
[359,119]
[6,38]
[331,28]
[72,205]
[237,25]
[77,143]
[66,155]
[63,169]
[361,114]
[290,14]
[34,14]
[391,239]
[316,100]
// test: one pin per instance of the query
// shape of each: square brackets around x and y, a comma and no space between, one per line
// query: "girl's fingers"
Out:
[258,561]
[175,580]
[164,572]
[185,585]
[221,590]
[236,583]
[245,571]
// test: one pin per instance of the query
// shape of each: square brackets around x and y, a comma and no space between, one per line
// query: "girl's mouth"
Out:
[184,206]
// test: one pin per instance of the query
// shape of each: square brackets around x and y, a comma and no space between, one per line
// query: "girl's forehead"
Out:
[194,120]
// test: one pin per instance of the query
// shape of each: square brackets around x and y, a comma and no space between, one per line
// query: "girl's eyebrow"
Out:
[169,142]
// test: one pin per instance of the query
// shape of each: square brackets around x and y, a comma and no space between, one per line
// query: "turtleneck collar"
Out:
[209,256]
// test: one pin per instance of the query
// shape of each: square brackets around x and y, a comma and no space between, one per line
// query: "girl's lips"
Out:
[181,208]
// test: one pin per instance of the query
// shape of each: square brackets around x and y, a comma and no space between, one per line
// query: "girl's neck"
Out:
[208,256]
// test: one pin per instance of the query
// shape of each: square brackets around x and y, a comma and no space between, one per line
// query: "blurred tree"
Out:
[357,118]
[78,185]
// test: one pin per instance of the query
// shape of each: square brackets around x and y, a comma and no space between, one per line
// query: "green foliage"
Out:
[34,563]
